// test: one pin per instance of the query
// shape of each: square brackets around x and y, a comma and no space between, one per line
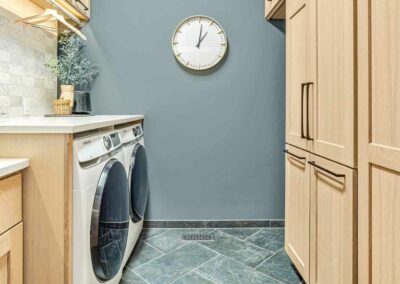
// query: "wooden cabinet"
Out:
[11,237]
[11,256]
[320,98]
[297,209]
[379,141]
[332,92]
[275,9]
[332,223]
[298,45]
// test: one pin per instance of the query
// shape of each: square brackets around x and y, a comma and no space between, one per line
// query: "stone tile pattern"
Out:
[23,77]
[237,255]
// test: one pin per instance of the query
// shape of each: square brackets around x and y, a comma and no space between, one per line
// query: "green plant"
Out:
[72,67]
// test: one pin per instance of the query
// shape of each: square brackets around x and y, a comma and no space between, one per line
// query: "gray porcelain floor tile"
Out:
[174,265]
[193,278]
[129,277]
[151,232]
[279,266]
[141,254]
[223,270]
[240,233]
[270,239]
[237,249]
[172,239]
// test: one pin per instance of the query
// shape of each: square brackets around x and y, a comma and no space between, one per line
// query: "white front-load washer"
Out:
[100,209]
[136,166]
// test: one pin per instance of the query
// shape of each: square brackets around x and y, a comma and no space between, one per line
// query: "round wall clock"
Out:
[199,43]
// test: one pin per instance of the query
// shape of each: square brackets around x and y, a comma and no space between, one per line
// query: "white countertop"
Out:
[9,166]
[67,125]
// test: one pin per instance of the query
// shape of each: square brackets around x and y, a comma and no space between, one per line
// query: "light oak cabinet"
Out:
[321,78]
[379,141]
[11,236]
[297,209]
[275,9]
[332,223]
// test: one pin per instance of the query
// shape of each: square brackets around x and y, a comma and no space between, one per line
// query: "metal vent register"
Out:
[198,237]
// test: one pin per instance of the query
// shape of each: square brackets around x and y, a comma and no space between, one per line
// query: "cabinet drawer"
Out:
[10,202]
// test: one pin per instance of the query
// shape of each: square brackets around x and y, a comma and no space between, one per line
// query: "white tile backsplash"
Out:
[23,77]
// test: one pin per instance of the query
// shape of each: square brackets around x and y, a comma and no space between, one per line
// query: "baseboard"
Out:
[214,223]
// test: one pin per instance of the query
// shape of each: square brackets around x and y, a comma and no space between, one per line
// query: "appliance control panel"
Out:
[131,133]
[94,147]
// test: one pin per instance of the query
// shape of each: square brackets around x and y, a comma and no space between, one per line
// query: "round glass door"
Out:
[110,221]
[139,183]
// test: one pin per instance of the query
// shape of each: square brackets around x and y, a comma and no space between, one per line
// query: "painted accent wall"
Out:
[214,141]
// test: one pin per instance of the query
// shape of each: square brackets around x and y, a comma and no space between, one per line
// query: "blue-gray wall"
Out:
[214,142]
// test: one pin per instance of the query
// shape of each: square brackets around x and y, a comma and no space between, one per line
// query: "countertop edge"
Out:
[16,166]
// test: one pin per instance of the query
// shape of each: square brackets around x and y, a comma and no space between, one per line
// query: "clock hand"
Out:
[202,39]
[201,31]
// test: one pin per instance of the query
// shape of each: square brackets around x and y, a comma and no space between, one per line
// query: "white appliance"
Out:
[100,209]
[136,166]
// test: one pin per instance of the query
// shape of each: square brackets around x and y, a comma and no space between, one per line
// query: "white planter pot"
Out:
[67,93]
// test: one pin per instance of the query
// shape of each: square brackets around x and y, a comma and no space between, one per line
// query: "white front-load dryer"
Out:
[100,209]
[136,166]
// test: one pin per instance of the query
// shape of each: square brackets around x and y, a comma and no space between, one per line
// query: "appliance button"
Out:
[107,142]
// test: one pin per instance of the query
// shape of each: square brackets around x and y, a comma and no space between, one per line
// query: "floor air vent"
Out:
[197,237]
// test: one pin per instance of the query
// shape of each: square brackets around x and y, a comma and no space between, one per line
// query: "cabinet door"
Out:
[333,90]
[297,53]
[333,193]
[275,9]
[11,256]
[297,209]
[379,140]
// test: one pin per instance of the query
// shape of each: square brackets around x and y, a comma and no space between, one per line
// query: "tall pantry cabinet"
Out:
[379,141]
[321,175]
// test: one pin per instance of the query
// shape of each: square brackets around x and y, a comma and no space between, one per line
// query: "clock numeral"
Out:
[179,54]
[220,32]
[175,43]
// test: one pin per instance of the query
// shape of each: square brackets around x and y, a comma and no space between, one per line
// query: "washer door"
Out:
[110,221]
[139,183]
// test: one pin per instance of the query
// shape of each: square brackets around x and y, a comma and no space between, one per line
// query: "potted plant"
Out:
[72,68]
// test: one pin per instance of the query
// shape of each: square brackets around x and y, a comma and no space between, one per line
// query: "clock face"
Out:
[199,43]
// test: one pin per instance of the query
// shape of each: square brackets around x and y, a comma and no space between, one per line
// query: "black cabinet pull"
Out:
[308,111]
[312,163]
[291,154]
[302,111]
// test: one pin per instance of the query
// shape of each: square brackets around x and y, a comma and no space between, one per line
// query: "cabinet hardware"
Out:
[302,110]
[312,163]
[308,111]
[291,154]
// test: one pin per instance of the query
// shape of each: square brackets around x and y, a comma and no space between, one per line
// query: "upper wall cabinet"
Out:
[76,10]
[275,9]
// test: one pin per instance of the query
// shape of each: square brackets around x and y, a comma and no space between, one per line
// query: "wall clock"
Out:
[199,43]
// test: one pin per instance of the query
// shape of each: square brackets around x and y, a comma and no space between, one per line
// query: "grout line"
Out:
[157,249]
[193,270]
[245,239]
[268,258]
[137,274]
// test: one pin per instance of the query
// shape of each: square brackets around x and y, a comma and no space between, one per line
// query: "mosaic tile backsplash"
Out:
[25,83]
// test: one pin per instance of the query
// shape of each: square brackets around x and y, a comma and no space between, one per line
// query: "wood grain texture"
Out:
[10,202]
[333,224]
[11,256]
[297,72]
[297,210]
[46,205]
[333,91]
[379,140]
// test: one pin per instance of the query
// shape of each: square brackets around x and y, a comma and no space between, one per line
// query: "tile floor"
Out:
[240,255]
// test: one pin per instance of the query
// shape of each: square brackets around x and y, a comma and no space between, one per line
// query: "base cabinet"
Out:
[320,235]
[332,227]
[297,210]
[11,256]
